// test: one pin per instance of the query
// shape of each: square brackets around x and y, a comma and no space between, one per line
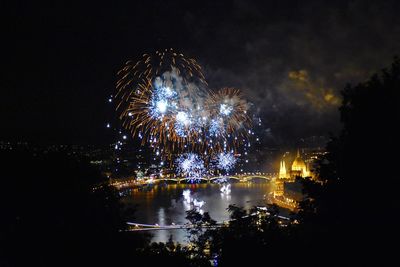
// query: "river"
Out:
[165,204]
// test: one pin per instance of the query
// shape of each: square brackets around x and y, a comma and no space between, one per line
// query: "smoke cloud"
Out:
[293,59]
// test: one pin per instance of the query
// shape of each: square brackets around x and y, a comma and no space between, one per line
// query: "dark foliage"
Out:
[51,216]
[352,215]
[252,237]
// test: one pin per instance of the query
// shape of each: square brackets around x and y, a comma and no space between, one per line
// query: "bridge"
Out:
[242,178]
[150,227]
[245,177]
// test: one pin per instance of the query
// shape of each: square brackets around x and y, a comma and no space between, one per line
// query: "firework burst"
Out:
[230,123]
[158,98]
[163,99]
[229,106]
[190,166]
[226,161]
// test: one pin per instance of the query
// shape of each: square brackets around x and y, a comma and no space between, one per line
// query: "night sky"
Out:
[291,59]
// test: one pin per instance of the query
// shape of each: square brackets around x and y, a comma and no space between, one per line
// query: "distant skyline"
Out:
[290,58]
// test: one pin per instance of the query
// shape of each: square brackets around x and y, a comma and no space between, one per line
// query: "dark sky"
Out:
[291,58]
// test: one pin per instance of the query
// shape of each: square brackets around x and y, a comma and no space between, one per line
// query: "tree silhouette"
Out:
[353,207]
[53,216]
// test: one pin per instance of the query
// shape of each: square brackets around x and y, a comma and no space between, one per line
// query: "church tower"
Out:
[282,170]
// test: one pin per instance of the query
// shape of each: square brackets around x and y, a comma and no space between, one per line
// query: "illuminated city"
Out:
[199,133]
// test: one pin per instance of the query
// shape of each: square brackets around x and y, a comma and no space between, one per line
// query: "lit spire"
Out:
[282,170]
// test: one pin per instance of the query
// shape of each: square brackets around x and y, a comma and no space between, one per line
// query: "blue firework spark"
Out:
[225,109]
[191,166]
[182,123]
[162,101]
[216,127]
[226,161]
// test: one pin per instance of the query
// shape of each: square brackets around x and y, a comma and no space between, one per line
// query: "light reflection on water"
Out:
[164,204]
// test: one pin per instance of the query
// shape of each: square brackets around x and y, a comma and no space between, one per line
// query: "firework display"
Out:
[191,166]
[229,122]
[226,161]
[164,100]
[159,99]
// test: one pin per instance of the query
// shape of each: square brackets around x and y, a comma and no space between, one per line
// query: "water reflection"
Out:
[166,204]
[191,202]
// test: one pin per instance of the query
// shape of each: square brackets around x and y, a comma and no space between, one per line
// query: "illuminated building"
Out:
[279,189]
[278,197]
[282,170]
[298,169]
